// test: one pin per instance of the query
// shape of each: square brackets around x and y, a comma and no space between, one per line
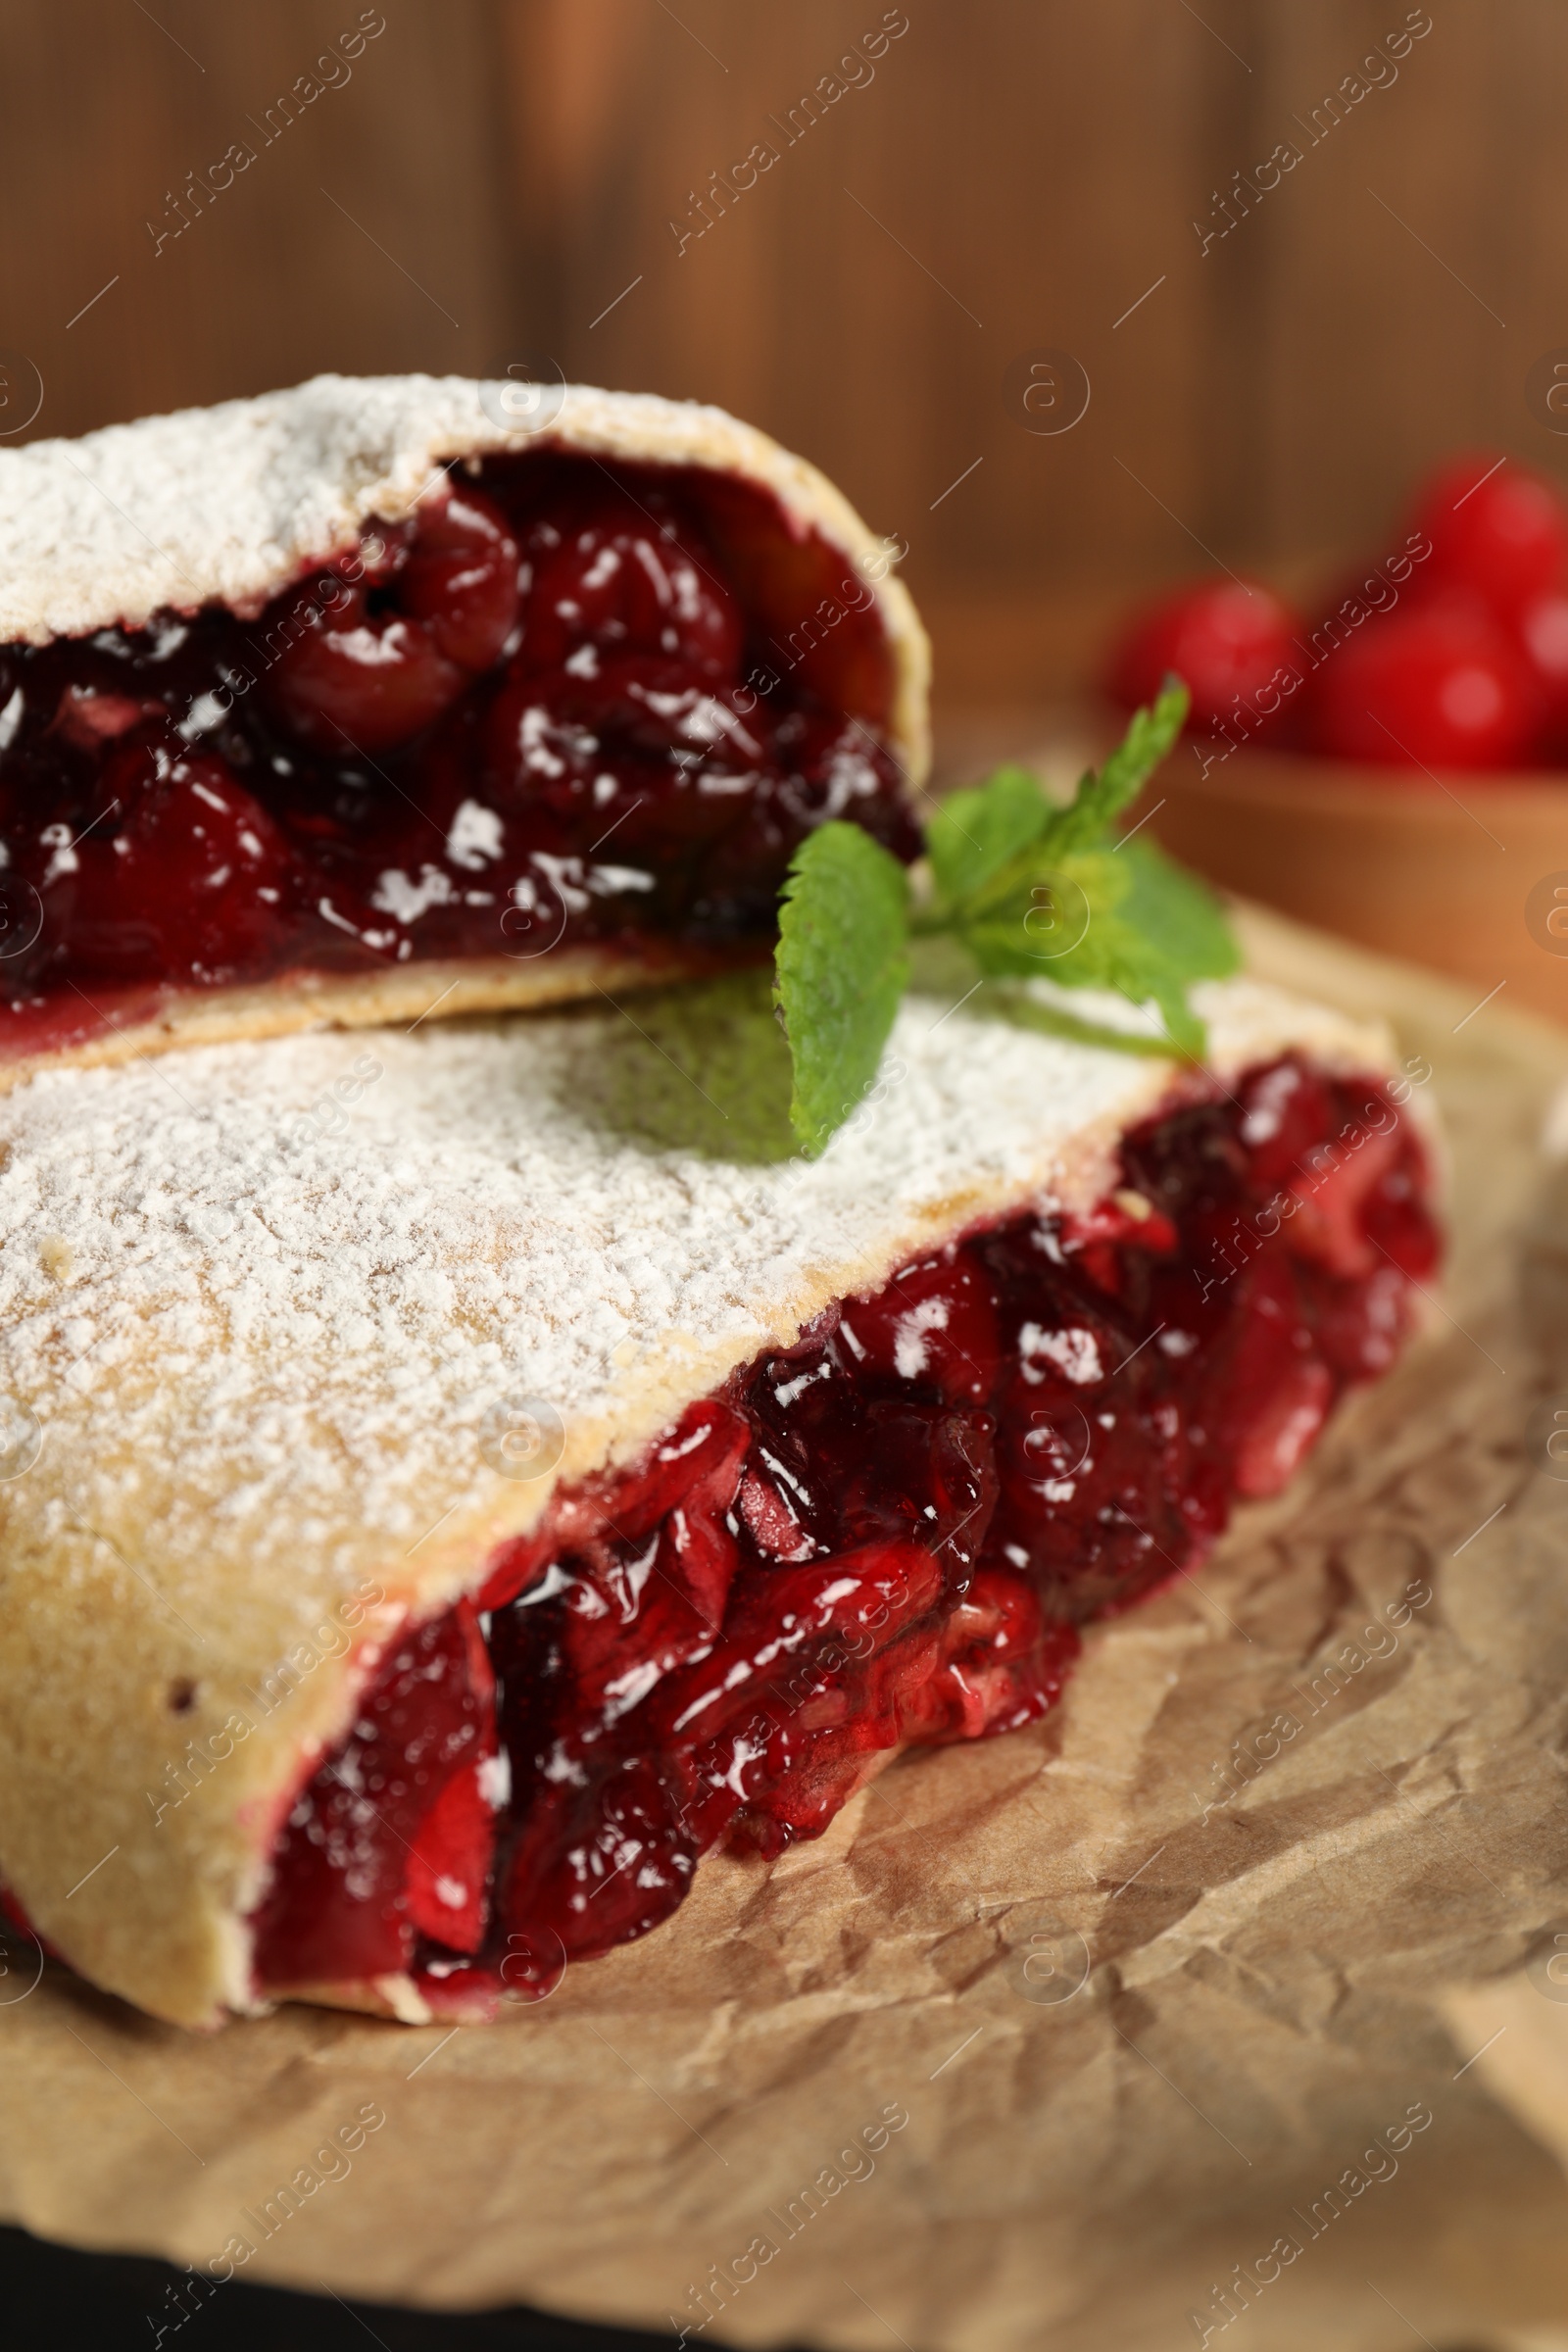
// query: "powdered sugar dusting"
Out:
[263,1298]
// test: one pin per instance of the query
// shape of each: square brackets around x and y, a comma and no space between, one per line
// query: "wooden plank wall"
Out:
[981,179]
[373,216]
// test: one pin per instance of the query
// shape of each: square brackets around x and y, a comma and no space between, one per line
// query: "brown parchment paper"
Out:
[1050,2041]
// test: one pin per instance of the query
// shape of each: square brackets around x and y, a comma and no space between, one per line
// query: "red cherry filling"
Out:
[461,578]
[368,674]
[364,683]
[179,870]
[889,1533]
[530,715]
[389,1839]
[615,576]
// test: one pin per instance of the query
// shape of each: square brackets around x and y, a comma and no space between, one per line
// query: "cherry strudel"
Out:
[381,698]
[450,1482]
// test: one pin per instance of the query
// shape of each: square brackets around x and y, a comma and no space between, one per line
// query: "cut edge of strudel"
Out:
[389,698]
[454,1481]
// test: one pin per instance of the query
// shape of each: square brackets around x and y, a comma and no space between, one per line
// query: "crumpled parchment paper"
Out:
[1159,2024]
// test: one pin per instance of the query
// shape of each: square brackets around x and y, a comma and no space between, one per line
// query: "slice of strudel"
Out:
[452,1482]
[389,696]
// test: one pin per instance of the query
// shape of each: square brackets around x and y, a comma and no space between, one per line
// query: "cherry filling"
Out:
[562,702]
[888,1533]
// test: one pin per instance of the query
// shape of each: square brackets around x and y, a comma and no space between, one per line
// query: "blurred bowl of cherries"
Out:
[1392,762]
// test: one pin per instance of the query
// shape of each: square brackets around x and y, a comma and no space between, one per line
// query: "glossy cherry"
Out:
[619,575]
[1541,635]
[178,872]
[642,726]
[935,1322]
[1438,686]
[373,659]
[461,578]
[1235,643]
[1497,530]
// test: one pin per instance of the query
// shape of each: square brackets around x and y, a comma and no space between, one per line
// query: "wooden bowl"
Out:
[1468,872]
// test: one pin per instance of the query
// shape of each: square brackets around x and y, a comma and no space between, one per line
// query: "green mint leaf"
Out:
[1032,891]
[1104,918]
[974,833]
[1044,914]
[1173,911]
[1076,906]
[1100,798]
[841,967]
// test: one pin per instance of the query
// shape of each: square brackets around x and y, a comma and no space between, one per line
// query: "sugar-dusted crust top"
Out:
[259,1303]
[233,503]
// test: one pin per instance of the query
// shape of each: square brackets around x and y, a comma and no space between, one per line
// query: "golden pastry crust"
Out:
[256,1316]
[403,997]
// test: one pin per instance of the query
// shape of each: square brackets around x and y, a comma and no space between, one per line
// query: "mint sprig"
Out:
[1031,890]
[841,967]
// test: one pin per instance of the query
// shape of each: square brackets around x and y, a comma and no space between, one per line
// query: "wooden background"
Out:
[492,173]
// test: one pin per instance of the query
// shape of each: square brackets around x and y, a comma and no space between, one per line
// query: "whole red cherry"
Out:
[1498,532]
[184,873]
[619,577]
[1440,686]
[369,663]
[361,682]
[1542,630]
[1233,643]
[461,578]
